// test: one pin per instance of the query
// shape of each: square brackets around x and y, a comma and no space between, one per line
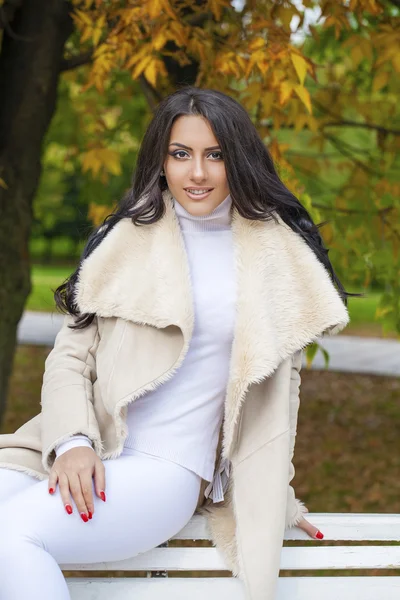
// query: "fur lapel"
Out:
[286,298]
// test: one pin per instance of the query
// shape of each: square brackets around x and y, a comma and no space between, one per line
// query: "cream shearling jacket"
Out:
[137,282]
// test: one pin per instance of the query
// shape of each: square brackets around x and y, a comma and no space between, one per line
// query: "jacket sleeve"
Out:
[295,508]
[67,390]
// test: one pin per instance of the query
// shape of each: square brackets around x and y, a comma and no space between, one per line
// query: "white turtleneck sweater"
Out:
[181,419]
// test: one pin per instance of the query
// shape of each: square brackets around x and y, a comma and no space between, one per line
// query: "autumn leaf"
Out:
[304,96]
[300,65]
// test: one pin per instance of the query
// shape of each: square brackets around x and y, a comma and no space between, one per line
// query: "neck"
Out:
[218,220]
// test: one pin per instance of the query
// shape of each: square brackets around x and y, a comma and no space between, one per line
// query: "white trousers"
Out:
[148,500]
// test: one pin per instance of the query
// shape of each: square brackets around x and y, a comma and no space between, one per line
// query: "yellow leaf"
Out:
[159,40]
[380,80]
[144,51]
[168,9]
[312,124]
[150,73]
[154,7]
[111,161]
[179,33]
[97,213]
[267,100]
[3,184]
[300,64]
[285,91]
[86,34]
[299,122]
[216,7]
[141,66]
[101,158]
[304,96]
[83,17]
[256,44]
[96,36]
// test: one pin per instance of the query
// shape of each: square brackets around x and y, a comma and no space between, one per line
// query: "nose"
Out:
[199,171]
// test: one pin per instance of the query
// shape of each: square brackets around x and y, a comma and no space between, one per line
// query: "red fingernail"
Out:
[103,496]
[84,517]
[90,514]
[51,491]
[319,535]
[68,508]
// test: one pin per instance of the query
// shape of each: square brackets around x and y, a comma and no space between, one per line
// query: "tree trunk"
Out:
[31,54]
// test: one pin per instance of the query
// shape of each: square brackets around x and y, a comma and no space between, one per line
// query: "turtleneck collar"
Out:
[218,220]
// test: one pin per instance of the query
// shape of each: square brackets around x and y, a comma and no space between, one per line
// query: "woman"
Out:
[174,380]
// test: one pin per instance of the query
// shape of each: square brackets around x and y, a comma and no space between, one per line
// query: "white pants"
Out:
[149,499]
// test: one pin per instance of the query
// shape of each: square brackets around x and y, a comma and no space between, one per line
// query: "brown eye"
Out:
[175,154]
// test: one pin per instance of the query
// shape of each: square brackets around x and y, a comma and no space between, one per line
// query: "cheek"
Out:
[175,171]
[220,174]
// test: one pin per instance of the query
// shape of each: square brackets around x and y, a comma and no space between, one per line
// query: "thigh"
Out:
[12,482]
[148,501]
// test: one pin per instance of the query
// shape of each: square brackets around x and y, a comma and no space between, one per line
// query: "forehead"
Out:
[193,130]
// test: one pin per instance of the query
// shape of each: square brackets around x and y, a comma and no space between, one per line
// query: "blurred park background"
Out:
[79,82]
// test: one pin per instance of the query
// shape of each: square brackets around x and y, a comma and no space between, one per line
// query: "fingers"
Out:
[310,529]
[76,492]
[87,491]
[52,483]
[100,479]
[63,484]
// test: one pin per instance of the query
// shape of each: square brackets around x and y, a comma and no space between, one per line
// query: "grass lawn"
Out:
[46,278]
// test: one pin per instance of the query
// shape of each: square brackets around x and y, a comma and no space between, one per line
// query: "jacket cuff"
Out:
[75,442]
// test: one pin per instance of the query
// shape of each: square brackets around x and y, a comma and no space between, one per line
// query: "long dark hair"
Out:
[255,187]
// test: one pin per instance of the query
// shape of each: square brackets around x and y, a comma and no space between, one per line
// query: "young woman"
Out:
[173,385]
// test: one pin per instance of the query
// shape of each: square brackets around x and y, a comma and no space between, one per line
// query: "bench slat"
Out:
[206,559]
[334,526]
[300,588]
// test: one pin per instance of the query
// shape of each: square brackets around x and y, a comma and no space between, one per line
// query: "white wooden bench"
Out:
[309,554]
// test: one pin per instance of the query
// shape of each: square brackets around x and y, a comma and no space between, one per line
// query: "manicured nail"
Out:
[84,517]
[103,496]
[319,535]
[51,491]
[68,508]
[90,514]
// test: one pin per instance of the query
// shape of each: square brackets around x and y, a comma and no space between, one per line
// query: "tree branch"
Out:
[347,123]
[364,125]
[340,145]
[67,64]
[150,93]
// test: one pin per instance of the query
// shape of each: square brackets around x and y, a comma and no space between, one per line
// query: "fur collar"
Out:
[286,298]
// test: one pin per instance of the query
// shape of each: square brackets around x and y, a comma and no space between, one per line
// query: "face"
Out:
[194,161]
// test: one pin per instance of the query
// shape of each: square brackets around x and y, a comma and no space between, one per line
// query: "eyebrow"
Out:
[188,148]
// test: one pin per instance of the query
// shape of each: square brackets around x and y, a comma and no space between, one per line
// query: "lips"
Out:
[198,196]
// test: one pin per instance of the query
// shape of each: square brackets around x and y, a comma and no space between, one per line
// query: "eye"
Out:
[178,152]
[216,152]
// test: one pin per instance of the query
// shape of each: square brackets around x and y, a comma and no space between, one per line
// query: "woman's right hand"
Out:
[73,471]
